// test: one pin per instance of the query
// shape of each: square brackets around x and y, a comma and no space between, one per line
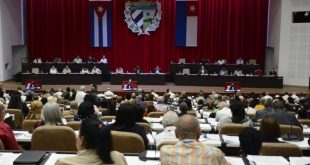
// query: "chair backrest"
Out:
[232,129]
[18,119]
[53,138]
[252,61]
[186,71]
[146,126]
[281,149]
[75,125]
[288,129]
[164,143]
[35,70]
[107,118]
[69,117]
[127,142]
[304,121]
[155,114]
[28,125]
[1,145]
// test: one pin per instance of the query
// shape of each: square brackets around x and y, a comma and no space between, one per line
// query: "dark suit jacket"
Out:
[285,118]
[262,113]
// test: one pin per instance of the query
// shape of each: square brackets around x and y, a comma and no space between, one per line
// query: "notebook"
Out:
[30,157]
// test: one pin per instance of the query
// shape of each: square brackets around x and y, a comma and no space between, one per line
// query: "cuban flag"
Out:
[100,23]
[186,23]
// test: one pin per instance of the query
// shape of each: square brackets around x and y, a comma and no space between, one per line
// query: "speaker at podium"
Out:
[130,85]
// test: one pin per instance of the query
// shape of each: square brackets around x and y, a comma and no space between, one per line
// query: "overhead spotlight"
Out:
[306,14]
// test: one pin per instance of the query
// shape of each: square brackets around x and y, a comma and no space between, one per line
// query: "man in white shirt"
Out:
[77,60]
[79,97]
[221,62]
[103,60]
[157,70]
[224,111]
[95,70]
[66,70]
[108,94]
[85,71]
[119,70]
[169,120]
[53,70]
[295,97]
[239,61]
[37,60]
[238,72]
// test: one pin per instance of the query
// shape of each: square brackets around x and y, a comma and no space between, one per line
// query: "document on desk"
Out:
[152,154]
[153,120]
[22,136]
[150,138]
[299,160]
[157,126]
[136,161]
[54,157]
[231,139]
[267,160]
[205,127]
[8,158]
[234,160]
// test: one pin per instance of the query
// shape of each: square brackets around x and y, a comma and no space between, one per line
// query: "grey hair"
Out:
[82,88]
[187,126]
[170,119]
[52,114]
[222,104]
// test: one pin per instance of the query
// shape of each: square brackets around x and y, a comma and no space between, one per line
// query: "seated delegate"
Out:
[84,71]
[137,69]
[77,60]
[119,70]
[66,70]
[95,70]
[53,70]
[103,60]
[94,145]
[157,70]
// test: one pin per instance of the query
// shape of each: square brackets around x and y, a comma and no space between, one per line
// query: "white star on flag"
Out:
[100,9]
[192,8]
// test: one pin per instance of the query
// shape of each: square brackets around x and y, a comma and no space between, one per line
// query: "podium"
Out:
[232,87]
[129,86]
[37,84]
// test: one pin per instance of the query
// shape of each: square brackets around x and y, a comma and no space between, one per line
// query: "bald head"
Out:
[187,127]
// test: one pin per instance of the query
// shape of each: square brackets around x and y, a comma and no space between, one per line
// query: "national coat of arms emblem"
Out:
[143,17]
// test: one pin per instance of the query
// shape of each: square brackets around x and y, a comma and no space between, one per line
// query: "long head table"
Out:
[142,79]
[212,68]
[66,79]
[75,68]
[245,81]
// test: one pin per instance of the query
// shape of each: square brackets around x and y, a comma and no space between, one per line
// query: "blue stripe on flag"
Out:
[181,14]
[109,30]
[92,33]
[100,32]
[139,17]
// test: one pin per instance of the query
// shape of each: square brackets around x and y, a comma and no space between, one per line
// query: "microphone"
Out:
[290,136]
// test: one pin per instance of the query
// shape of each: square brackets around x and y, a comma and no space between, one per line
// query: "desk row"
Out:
[7,158]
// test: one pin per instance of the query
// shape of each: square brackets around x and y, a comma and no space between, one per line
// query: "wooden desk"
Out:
[212,68]
[66,79]
[75,68]
[142,79]
[245,81]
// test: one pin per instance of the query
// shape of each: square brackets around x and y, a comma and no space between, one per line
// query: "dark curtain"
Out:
[227,29]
